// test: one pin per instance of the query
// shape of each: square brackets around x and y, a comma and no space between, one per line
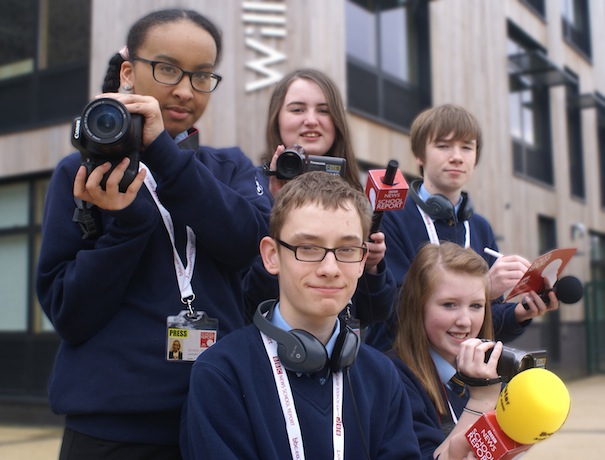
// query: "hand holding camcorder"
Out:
[294,162]
[511,362]
[106,131]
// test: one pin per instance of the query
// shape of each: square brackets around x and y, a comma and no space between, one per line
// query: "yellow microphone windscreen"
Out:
[533,405]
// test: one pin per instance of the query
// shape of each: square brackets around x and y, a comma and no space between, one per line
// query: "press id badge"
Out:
[188,335]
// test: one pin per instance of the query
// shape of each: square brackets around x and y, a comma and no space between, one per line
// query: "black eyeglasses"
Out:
[170,74]
[312,253]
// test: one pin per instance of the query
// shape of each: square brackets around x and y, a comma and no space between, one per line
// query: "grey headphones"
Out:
[300,351]
[438,207]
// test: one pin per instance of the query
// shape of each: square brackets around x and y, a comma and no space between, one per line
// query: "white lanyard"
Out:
[432,231]
[287,403]
[183,274]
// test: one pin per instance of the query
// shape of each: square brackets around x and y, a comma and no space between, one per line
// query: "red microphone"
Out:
[532,407]
[386,189]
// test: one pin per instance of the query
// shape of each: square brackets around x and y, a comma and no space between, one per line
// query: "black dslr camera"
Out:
[106,131]
[512,361]
[294,162]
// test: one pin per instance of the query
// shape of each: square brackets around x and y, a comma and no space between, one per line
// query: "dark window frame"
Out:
[49,94]
[578,36]
[33,231]
[535,161]
[374,94]
[575,141]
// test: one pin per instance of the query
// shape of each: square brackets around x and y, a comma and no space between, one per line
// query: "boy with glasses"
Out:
[297,383]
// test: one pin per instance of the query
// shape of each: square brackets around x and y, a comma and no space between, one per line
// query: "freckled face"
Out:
[454,313]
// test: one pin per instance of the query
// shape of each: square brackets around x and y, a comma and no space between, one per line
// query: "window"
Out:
[44,55]
[597,256]
[574,136]
[21,204]
[576,25]
[529,107]
[531,74]
[388,72]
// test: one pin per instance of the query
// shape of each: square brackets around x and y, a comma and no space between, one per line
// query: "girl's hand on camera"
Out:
[275,184]
[147,106]
[111,199]
[471,362]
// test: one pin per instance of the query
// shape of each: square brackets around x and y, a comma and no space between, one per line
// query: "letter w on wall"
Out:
[261,65]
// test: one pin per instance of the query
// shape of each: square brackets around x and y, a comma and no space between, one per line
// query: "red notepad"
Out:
[549,266]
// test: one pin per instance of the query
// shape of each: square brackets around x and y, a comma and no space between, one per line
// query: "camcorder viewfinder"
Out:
[294,162]
[107,131]
[512,361]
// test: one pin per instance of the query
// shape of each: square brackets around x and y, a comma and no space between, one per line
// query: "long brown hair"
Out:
[411,343]
[342,147]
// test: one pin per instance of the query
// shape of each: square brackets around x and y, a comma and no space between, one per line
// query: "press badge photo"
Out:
[188,336]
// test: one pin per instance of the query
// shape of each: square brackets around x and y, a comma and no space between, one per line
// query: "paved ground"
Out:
[582,437]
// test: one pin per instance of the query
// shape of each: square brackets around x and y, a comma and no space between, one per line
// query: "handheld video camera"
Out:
[512,361]
[106,131]
[294,162]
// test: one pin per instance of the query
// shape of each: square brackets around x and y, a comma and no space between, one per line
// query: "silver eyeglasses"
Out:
[312,253]
[170,74]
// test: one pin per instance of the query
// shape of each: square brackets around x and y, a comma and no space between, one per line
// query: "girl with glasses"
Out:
[166,256]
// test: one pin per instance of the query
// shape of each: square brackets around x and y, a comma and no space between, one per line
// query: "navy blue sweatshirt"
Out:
[233,409]
[108,298]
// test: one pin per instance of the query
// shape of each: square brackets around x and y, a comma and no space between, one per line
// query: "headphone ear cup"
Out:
[345,350]
[466,208]
[298,350]
[440,208]
[307,356]
[437,206]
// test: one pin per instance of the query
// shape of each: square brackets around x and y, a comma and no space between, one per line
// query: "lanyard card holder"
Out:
[189,334]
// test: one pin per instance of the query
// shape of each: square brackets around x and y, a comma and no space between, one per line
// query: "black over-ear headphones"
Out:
[438,207]
[300,351]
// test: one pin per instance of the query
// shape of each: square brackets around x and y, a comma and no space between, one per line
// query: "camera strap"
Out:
[84,217]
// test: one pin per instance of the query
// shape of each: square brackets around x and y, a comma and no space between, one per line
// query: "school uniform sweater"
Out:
[109,297]
[241,416]
[427,422]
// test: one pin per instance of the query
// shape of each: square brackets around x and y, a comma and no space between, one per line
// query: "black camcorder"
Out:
[512,361]
[294,162]
[106,131]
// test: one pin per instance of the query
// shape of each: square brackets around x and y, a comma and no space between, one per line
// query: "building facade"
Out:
[531,71]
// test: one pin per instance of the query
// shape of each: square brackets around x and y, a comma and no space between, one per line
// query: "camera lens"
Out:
[289,165]
[104,121]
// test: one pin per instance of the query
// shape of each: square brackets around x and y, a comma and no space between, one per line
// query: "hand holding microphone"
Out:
[568,289]
[386,189]
[532,407]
